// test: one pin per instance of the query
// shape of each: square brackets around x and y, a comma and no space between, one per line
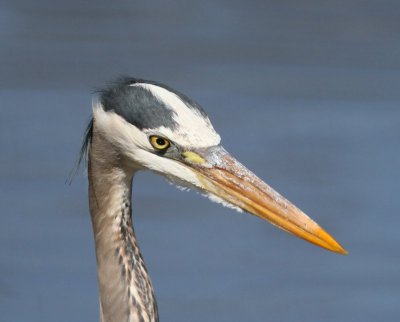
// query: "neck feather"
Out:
[126,292]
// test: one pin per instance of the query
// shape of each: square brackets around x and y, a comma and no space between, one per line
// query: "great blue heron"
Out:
[139,124]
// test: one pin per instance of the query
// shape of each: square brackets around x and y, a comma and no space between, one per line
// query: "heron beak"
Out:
[223,176]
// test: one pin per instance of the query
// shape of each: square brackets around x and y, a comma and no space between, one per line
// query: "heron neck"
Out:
[126,292]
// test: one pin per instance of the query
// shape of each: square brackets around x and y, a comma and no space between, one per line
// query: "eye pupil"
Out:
[160,141]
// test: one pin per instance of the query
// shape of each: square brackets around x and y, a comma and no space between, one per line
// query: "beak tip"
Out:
[326,241]
[341,251]
[337,248]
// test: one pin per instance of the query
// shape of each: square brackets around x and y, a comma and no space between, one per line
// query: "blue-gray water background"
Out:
[305,93]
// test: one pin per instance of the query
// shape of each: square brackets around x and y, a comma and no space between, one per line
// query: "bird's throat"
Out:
[126,293]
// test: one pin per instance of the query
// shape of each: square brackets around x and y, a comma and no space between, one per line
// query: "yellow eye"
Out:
[159,143]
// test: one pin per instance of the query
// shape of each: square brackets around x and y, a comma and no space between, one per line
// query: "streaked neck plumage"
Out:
[126,292]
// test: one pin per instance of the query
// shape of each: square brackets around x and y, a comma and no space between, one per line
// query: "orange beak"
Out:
[223,176]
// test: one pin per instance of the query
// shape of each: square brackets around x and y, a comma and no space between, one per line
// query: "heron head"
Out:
[151,126]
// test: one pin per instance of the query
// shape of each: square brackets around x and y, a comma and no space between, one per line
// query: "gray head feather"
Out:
[137,106]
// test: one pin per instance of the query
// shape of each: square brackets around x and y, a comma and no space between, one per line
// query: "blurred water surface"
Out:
[305,93]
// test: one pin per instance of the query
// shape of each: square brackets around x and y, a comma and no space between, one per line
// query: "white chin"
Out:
[186,186]
[221,201]
[181,184]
